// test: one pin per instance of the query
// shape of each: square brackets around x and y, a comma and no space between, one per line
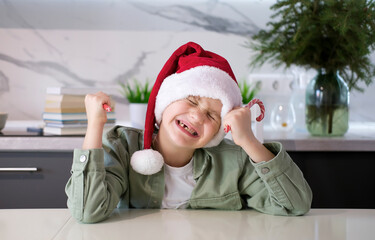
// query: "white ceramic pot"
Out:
[3,119]
[137,112]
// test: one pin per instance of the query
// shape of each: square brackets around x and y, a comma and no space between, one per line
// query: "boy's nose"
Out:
[196,115]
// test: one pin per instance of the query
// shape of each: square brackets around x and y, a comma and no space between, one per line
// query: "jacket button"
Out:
[82,158]
[265,170]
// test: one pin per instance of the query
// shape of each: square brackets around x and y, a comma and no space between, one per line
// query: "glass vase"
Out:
[327,105]
[283,117]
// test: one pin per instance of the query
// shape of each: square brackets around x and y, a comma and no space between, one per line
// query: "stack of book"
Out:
[65,113]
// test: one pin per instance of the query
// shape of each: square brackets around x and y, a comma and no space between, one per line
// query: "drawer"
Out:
[42,186]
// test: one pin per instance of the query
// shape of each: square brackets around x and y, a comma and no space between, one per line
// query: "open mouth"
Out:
[189,130]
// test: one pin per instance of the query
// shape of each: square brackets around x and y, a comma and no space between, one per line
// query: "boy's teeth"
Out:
[187,129]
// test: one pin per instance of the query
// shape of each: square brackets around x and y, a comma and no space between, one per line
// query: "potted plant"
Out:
[248,91]
[137,94]
[335,37]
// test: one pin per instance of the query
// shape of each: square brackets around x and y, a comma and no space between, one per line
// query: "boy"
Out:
[181,159]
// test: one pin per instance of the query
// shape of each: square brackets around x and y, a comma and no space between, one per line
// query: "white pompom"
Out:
[147,162]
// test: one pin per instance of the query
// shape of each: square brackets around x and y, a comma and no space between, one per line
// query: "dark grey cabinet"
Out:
[339,179]
[43,188]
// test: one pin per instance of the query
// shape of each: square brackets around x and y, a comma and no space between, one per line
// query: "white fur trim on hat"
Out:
[147,162]
[203,81]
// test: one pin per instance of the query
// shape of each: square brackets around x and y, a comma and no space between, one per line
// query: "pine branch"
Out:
[337,35]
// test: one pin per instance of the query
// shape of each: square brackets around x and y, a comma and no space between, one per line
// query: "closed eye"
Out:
[210,116]
[192,102]
[214,116]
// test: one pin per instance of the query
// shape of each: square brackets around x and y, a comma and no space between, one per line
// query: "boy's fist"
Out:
[94,107]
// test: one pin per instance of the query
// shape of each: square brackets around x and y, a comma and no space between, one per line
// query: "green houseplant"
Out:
[335,37]
[137,94]
[248,91]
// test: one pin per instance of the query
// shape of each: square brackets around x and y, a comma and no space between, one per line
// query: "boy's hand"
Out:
[96,118]
[94,107]
[239,120]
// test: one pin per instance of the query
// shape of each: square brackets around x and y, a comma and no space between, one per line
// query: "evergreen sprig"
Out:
[337,35]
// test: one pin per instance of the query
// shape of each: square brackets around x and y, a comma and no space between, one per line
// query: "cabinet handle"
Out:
[20,169]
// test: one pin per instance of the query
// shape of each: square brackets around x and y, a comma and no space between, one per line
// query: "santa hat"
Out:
[190,71]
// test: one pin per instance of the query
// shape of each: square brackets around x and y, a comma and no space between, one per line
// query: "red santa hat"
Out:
[190,71]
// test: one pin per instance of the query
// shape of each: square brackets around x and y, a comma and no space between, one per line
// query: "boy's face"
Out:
[192,122]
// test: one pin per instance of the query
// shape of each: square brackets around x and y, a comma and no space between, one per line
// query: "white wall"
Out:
[97,43]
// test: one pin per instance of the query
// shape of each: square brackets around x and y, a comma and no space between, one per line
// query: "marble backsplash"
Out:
[97,43]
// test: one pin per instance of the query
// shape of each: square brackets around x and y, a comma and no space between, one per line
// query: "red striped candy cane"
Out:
[249,105]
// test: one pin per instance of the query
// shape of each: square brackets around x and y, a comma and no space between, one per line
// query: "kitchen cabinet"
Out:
[339,179]
[43,187]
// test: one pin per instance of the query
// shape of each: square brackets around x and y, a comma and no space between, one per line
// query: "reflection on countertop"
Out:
[332,224]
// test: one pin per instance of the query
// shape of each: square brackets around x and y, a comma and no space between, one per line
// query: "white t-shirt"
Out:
[179,183]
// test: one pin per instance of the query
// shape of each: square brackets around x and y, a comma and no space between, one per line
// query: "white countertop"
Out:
[360,137]
[322,224]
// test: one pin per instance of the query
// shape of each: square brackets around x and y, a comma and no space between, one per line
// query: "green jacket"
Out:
[102,179]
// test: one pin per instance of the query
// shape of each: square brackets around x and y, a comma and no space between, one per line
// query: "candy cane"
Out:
[107,107]
[249,105]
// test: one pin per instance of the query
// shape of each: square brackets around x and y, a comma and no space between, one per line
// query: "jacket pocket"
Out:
[231,201]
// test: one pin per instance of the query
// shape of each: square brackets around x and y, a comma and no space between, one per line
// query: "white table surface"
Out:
[318,224]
